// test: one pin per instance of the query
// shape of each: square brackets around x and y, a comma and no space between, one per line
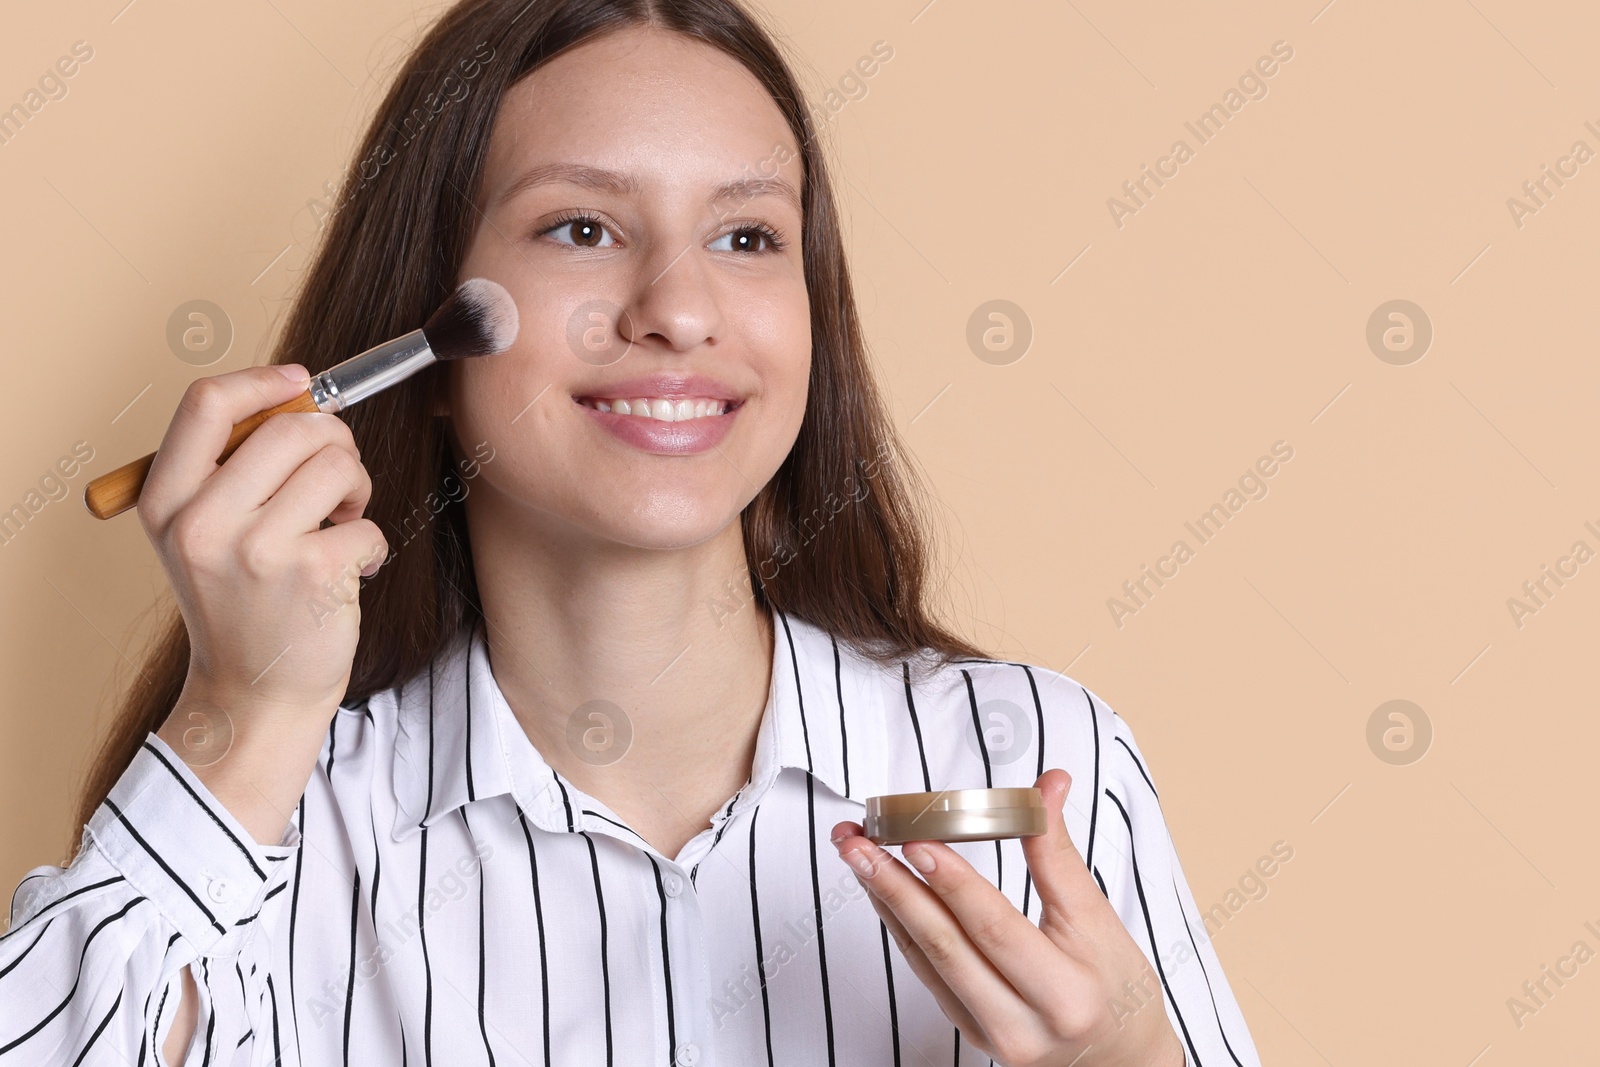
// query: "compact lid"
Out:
[955,815]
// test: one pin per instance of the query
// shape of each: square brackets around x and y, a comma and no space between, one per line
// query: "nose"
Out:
[675,303]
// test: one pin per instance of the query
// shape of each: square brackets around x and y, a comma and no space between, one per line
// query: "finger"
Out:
[1068,893]
[266,459]
[358,546]
[926,973]
[915,958]
[1035,966]
[970,975]
[199,430]
[331,481]
[349,552]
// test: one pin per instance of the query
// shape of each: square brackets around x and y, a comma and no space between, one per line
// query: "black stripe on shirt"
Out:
[99,1029]
[471,793]
[294,910]
[156,1023]
[1149,925]
[988,774]
[240,845]
[59,900]
[727,812]
[600,903]
[1212,992]
[350,985]
[377,868]
[483,1022]
[112,807]
[211,1015]
[816,901]
[277,1049]
[666,959]
[618,825]
[1142,773]
[144,1014]
[253,916]
[1094,797]
[888,975]
[538,916]
[24,953]
[1038,714]
[12,910]
[911,708]
[566,801]
[422,912]
[844,734]
[977,728]
[755,926]
[799,692]
[333,740]
[83,955]
[428,808]
[244,997]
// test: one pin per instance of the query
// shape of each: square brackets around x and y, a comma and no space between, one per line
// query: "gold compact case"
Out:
[955,815]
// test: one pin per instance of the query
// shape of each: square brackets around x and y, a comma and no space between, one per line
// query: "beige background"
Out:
[1228,313]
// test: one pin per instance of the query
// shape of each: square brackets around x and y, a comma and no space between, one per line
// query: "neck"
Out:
[634,672]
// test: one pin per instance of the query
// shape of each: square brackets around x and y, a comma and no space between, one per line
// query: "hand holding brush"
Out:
[252,546]
[478,319]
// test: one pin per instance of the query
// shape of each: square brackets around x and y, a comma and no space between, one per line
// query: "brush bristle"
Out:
[479,319]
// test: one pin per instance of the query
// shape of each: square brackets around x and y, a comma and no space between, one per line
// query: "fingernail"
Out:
[860,861]
[293,371]
[921,858]
[840,836]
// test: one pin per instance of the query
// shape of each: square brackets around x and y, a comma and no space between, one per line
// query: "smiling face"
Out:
[640,202]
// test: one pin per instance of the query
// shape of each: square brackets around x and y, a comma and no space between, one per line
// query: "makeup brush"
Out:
[479,319]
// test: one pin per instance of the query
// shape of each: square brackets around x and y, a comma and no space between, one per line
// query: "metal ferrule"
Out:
[371,371]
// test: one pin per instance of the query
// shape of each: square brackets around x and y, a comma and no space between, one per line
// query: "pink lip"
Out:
[665,438]
[685,438]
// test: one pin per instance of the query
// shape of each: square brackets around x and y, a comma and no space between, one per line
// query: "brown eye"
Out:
[581,232]
[751,239]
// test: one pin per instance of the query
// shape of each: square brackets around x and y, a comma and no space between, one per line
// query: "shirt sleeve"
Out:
[1137,865]
[164,879]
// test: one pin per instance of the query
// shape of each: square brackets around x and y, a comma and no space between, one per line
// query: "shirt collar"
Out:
[457,739]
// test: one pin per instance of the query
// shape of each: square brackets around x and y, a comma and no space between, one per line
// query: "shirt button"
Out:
[688,1054]
[220,890]
[673,885]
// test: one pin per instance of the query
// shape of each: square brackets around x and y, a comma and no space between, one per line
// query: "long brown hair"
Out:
[836,536]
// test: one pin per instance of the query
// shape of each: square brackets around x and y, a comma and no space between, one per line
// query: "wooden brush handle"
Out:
[117,491]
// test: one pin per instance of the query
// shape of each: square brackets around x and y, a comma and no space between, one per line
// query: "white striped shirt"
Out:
[443,896]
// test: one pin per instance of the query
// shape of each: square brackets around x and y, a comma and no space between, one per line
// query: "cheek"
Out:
[780,330]
[489,392]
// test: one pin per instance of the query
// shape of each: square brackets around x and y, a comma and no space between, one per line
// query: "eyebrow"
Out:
[610,181]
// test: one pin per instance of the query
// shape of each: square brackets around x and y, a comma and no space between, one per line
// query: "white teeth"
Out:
[660,409]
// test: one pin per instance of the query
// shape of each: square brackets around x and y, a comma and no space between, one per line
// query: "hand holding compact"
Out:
[1030,996]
